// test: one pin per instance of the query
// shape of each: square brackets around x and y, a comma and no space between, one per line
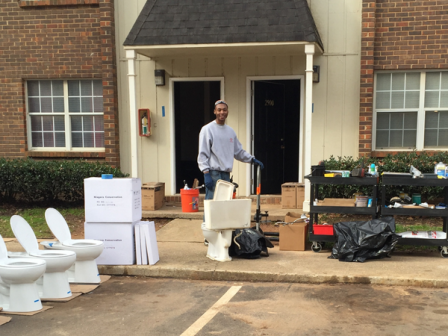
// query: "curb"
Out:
[221,275]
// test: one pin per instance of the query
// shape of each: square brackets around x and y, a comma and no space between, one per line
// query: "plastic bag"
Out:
[359,241]
[249,243]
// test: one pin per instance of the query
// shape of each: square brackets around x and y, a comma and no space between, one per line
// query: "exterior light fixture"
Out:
[316,73]
[159,77]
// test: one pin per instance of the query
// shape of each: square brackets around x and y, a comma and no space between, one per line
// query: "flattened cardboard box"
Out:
[153,195]
[289,195]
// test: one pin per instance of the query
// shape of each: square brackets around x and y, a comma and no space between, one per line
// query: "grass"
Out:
[35,216]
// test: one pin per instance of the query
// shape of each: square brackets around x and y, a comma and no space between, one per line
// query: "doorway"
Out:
[193,108]
[276,130]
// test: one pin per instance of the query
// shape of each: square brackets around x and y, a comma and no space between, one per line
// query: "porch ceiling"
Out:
[223,50]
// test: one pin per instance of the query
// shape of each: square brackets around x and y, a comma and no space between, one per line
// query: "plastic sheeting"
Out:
[249,244]
[359,241]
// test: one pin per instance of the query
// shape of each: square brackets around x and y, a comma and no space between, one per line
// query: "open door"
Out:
[276,130]
[193,108]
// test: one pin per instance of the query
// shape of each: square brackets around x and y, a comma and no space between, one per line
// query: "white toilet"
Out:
[54,283]
[223,215]
[18,290]
[85,269]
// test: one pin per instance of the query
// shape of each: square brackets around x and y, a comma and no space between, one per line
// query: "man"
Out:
[218,146]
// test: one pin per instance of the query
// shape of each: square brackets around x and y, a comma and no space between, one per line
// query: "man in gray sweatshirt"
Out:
[218,146]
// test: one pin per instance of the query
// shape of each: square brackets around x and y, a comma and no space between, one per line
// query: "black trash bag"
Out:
[359,241]
[249,244]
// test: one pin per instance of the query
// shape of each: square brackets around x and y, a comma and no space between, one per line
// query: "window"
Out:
[411,110]
[65,115]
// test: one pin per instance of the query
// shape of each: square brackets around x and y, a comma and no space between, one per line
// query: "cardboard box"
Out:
[116,200]
[289,195]
[292,237]
[300,195]
[153,195]
[343,202]
[118,239]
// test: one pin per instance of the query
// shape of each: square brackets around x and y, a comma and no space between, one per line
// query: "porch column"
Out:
[131,57]
[309,51]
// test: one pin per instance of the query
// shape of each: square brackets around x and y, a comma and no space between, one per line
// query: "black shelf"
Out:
[389,180]
[315,210]
[343,210]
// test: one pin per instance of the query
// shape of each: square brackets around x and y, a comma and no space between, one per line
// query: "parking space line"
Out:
[209,314]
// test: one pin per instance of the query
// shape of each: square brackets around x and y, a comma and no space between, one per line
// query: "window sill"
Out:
[37,3]
[40,154]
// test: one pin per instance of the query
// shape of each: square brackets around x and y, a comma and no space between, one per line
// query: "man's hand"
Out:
[208,181]
[258,163]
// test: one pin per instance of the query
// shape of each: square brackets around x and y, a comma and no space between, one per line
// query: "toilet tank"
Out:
[230,214]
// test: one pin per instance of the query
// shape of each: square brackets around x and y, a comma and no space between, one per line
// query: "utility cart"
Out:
[390,180]
[319,240]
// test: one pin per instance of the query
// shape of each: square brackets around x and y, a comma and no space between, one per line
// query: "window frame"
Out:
[67,120]
[421,113]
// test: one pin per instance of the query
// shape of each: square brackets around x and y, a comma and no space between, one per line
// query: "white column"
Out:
[131,57]
[309,51]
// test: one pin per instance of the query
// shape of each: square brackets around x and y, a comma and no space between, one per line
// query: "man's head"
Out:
[221,111]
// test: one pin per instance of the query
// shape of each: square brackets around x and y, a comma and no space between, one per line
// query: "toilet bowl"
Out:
[221,218]
[85,269]
[18,290]
[54,283]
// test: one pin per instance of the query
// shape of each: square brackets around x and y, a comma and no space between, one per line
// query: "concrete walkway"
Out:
[183,256]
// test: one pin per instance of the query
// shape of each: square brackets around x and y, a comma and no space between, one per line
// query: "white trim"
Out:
[131,57]
[213,45]
[172,116]
[250,121]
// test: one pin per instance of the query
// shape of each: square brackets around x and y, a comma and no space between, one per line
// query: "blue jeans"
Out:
[216,175]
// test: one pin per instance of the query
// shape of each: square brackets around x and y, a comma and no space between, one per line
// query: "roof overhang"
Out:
[224,49]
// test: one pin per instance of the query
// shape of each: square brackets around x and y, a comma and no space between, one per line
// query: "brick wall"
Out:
[55,39]
[399,35]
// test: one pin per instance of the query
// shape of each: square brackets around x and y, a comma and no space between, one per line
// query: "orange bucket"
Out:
[190,200]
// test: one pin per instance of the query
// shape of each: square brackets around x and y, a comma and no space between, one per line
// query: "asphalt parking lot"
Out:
[147,306]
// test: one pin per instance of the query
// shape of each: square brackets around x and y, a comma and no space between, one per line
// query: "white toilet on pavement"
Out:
[223,215]
[85,269]
[18,290]
[54,283]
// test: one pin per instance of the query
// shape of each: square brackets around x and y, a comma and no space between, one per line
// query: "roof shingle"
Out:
[169,22]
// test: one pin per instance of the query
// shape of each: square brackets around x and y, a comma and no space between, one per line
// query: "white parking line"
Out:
[209,314]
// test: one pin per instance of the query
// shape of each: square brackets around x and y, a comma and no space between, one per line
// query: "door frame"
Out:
[250,121]
[172,115]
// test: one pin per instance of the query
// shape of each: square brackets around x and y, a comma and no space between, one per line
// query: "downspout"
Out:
[309,51]
[131,57]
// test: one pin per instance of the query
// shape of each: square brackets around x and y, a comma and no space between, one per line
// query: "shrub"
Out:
[400,162]
[27,180]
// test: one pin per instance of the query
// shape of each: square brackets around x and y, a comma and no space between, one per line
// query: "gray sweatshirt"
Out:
[218,146]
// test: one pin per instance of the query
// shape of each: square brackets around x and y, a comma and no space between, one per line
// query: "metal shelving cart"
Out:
[316,181]
[418,182]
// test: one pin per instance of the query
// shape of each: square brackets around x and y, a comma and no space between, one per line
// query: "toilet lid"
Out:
[24,234]
[57,225]
[3,250]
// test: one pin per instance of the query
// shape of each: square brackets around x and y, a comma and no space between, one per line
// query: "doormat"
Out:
[74,295]
[44,308]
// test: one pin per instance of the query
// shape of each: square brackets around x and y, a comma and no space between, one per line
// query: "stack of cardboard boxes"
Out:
[293,195]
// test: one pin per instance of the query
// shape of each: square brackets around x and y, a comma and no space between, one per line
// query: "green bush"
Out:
[27,180]
[400,162]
